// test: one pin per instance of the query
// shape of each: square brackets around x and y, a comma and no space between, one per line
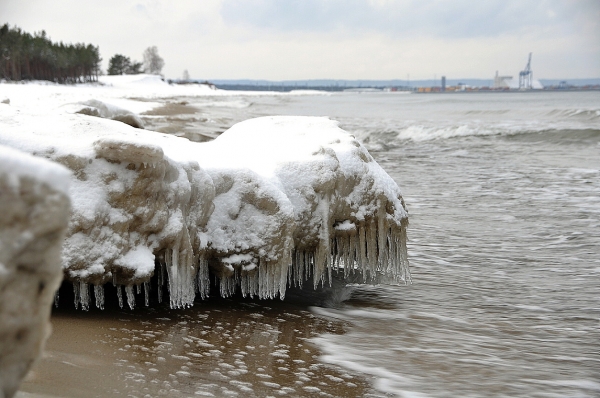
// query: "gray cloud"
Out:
[296,39]
[435,18]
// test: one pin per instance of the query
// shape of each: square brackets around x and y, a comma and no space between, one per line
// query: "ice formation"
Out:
[272,202]
[33,221]
[348,214]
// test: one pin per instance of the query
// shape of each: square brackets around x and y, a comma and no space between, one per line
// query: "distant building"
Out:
[443,83]
[502,81]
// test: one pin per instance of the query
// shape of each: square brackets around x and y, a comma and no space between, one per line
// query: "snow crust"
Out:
[272,202]
[33,221]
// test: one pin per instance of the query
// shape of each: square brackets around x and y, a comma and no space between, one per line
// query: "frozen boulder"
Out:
[132,204]
[349,214]
[33,221]
[104,110]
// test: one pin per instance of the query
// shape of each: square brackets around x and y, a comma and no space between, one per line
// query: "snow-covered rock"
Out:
[98,108]
[348,213]
[131,201]
[273,201]
[33,221]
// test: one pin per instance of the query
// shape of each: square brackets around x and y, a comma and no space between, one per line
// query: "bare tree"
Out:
[153,63]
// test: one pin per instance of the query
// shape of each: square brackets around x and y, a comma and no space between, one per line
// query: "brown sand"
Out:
[220,347]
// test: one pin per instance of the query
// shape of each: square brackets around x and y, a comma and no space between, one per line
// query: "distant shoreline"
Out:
[360,90]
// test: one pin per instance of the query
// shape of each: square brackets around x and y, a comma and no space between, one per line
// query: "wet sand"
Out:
[220,347]
[178,118]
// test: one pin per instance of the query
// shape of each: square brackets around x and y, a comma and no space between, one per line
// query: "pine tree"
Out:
[118,65]
[27,57]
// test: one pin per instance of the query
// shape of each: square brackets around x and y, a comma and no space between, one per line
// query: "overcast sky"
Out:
[337,39]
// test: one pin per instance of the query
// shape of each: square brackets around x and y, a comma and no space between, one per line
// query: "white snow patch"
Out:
[18,164]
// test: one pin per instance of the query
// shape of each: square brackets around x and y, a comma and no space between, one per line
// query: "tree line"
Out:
[35,57]
[122,65]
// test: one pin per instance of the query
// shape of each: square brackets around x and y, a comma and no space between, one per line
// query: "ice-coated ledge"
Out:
[272,202]
[33,221]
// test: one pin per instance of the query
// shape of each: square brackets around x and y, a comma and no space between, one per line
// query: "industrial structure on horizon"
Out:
[525,81]
[526,76]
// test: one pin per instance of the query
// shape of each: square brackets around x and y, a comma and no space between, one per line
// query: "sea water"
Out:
[503,192]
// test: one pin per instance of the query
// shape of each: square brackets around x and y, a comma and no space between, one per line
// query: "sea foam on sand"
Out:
[272,202]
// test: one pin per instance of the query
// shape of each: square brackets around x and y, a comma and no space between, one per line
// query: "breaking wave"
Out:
[383,139]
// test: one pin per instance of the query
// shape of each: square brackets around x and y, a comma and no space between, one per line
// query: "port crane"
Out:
[526,76]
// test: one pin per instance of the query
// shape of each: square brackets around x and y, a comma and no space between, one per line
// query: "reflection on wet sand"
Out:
[217,348]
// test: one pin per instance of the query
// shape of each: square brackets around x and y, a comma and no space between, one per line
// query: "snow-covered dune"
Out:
[271,202]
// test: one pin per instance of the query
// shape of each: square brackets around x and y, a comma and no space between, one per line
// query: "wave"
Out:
[581,114]
[382,139]
[488,112]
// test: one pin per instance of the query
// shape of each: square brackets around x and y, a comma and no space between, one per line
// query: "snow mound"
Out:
[104,110]
[35,212]
[273,201]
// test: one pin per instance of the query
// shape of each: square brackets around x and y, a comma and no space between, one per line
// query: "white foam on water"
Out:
[386,380]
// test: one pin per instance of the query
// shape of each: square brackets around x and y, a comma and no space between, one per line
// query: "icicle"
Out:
[404,252]
[227,285]
[322,259]
[84,296]
[76,294]
[147,293]
[161,280]
[298,267]
[56,298]
[130,296]
[270,278]
[120,296]
[372,248]
[202,278]
[362,245]
[382,235]
[182,289]
[181,271]
[99,295]
[284,269]
[138,289]
[249,283]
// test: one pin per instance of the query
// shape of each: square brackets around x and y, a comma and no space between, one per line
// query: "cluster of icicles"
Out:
[371,255]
